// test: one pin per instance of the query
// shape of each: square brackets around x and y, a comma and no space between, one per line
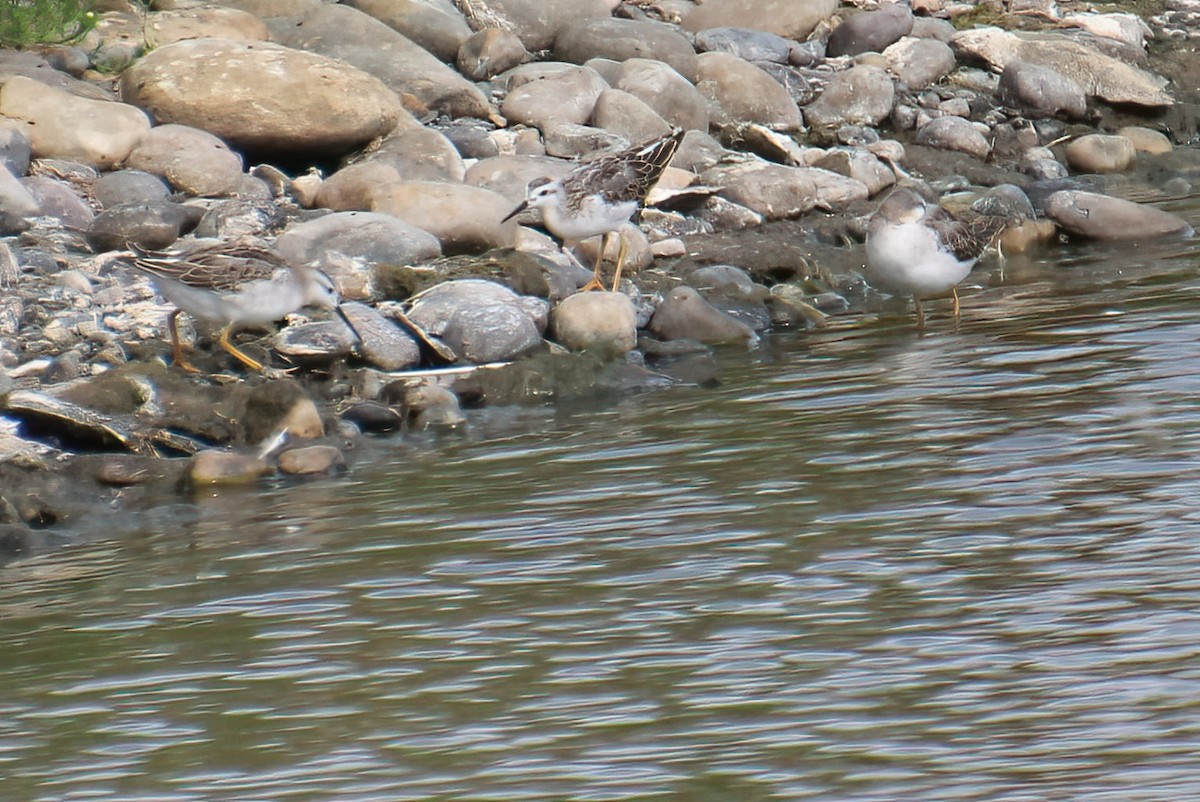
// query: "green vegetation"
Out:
[28,22]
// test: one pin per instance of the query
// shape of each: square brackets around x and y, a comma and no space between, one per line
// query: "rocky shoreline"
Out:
[199,121]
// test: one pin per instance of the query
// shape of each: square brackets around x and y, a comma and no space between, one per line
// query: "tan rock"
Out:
[1089,214]
[1100,153]
[64,126]
[435,25]
[746,94]
[794,19]
[311,461]
[604,321]
[214,467]
[565,95]
[194,161]
[262,96]
[1147,140]
[464,218]
[665,91]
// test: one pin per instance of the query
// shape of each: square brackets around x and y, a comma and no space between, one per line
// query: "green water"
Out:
[868,565]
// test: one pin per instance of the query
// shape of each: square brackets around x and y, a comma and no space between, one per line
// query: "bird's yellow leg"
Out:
[177,356]
[223,341]
[621,250]
[954,292]
[595,283]
[920,314]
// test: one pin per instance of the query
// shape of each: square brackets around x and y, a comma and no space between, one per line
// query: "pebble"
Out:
[311,461]
[1095,216]
[861,95]
[1041,90]
[685,315]
[954,133]
[871,31]
[213,467]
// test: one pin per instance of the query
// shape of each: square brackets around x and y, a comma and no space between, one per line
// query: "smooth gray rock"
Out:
[489,52]
[920,62]
[862,95]
[623,39]
[194,161]
[566,95]
[685,315]
[59,200]
[627,116]
[480,320]
[152,225]
[382,343]
[405,67]
[17,203]
[538,23]
[435,25]
[954,133]
[1041,91]
[129,186]
[315,460]
[663,89]
[742,93]
[745,43]
[870,31]
[1095,216]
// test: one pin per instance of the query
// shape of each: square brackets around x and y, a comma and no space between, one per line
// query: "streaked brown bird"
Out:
[917,248]
[601,195]
[232,285]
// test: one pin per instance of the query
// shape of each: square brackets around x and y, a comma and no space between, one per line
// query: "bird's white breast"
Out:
[907,259]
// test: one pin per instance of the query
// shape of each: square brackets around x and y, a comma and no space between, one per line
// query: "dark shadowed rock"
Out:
[15,150]
[745,43]
[129,186]
[870,31]
[153,225]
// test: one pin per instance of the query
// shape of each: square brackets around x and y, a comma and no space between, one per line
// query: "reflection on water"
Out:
[870,565]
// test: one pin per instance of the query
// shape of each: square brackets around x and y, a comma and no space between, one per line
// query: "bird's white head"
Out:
[319,289]
[541,192]
[903,205]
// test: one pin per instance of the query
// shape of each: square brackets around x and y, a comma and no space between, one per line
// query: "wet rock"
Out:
[779,192]
[538,23]
[437,26]
[627,116]
[861,95]
[870,31]
[262,96]
[623,39]
[565,95]
[489,52]
[920,62]
[745,43]
[150,226]
[954,133]
[312,461]
[480,320]
[1088,214]
[65,126]
[1005,200]
[859,164]
[685,315]
[344,33]
[1105,77]
[129,186]
[663,89]
[348,246]
[371,416]
[1040,164]
[194,161]
[381,342]
[58,200]
[1146,140]
[742,93]
[1041,91]
[784,17]
[15,150]
[464,218]
[213,467]
[1100,153]
[318,343]
[432,406]
[571,141]
[605,321]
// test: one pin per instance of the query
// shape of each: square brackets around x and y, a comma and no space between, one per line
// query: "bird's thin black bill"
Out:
[524,205]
